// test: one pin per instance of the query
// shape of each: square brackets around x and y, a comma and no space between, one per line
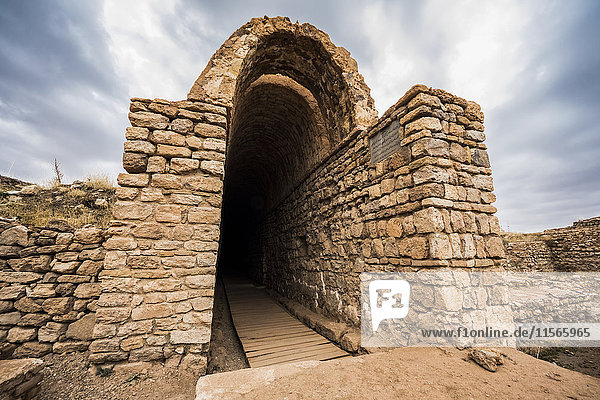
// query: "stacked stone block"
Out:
[48,287]
[159,271]
[428,205]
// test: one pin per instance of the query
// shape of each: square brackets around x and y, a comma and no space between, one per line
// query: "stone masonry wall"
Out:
[48,288]
[573,248]
[159,271]
[428,205]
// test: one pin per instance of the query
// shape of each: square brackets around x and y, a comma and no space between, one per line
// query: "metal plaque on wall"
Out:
[385,142]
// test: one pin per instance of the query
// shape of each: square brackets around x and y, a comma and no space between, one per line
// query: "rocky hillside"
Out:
[8,184]
[80,203]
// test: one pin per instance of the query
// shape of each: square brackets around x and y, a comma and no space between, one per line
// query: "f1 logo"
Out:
[388,299]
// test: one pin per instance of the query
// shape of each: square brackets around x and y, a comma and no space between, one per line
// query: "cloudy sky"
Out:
[68,69]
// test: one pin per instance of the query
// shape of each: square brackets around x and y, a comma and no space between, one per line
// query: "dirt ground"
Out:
[582,359]
[408,373]
[413,373]
[226,352]
[70,377]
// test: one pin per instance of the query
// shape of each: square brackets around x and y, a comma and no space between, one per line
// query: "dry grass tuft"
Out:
[100,182]
[89,202]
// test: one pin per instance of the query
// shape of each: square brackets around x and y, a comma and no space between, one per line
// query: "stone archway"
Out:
[323,189]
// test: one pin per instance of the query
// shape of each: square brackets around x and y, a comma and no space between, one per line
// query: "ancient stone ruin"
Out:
[276,166]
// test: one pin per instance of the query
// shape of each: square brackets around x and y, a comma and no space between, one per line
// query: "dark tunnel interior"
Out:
[290,109]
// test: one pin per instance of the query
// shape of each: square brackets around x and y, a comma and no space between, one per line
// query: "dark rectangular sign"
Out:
[385,142]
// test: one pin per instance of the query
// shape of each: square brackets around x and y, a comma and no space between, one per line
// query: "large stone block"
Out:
[414,247]
[19,277]
[164,107]
[51,332]
[32,350]
[137,146]
[428,220]
[20,335]
[182,125]
[203,183]
[483,182]
[11,318]
[134,180]
[69,347]
[431,173]
[104,345]
[214,144]
[495,247]
[110,315]
[156,164]
[194,142]
[17,235]
[168,213]
[173,151]
[65,268]
[209,131]
[213,167]
[135,133]
[135,328]
[430,147]
[149,231]
[151,311]
[135,162]
[131,210]
[89,267]
[200,281]
[34,319]
[115,259]
[480,158]
[425,123]
[439,246]
[27,305]
[88,290]
[192,336]
[181,165]
[82,329]
[58,305]
[468,246]
[148,120]
[198,245]
[204,215]
[167,181]
[120,243]
[167,137]
[89,235]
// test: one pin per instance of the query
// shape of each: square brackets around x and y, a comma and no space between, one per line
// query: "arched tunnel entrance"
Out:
[277,135]
[290,107]
[277,167]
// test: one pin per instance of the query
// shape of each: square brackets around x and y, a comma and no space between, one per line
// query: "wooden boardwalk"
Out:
[269,334]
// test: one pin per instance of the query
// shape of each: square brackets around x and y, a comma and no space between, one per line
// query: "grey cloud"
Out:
[544,144]
[58,88]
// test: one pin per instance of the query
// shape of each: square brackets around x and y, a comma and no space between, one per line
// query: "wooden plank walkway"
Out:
[269,334]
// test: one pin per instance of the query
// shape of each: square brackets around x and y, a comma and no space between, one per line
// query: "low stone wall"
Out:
[527,252]
[48,287]
[572,248]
